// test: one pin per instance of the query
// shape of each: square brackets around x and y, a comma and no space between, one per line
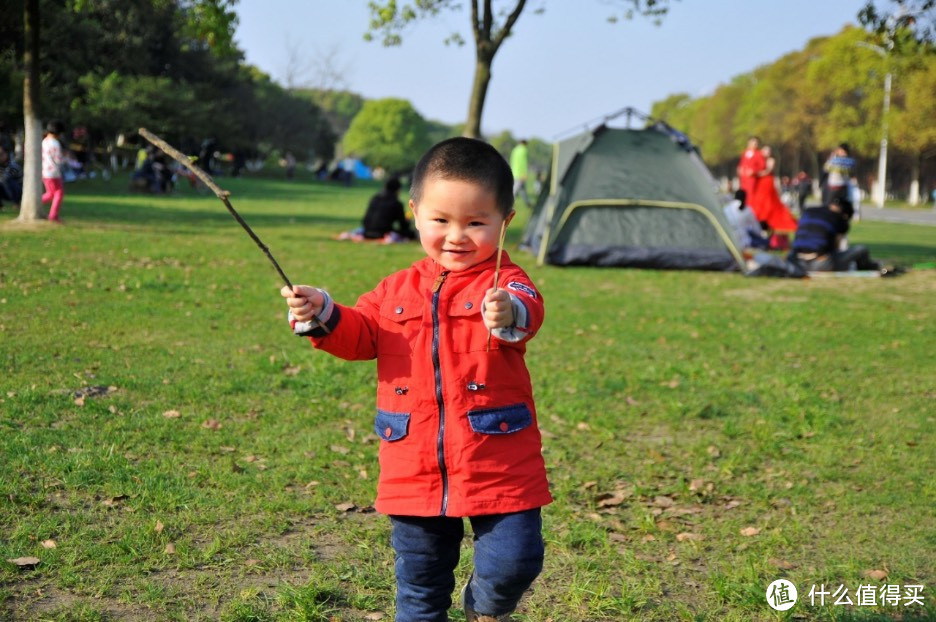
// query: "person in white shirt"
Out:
[747,230]
[52,169]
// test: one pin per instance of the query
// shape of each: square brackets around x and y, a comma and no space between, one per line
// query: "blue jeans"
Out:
[508,556]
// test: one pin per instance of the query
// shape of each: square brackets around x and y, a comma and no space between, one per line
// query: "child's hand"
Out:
[305,302]
[498,310]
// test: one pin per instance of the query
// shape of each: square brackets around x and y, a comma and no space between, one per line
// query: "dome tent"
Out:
[634,198]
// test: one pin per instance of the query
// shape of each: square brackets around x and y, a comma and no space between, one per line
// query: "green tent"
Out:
[636,198]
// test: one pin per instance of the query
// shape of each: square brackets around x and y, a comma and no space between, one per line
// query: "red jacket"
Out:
[457,423]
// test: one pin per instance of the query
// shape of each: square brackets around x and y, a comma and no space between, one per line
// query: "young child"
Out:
[52,169]
[457,422]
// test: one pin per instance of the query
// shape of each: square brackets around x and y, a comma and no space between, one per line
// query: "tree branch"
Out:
[508,25]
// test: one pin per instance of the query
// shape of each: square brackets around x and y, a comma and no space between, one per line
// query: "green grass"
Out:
[708,403]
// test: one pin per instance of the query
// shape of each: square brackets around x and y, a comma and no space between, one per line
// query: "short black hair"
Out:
[470,160]
[393,184]
[741,195]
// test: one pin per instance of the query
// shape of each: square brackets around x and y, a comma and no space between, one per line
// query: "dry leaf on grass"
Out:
[25,562]
[750,531]
[782,564]
[346,507]
[609,500]
[211,424]
[875,575]
[375,615]
[48,544]
[682,537]
[159,526]
[339,449]
[292,370]
[170,549]
[172,414]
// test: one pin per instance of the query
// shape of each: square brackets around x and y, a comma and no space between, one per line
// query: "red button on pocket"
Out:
[388,432]
[503,426]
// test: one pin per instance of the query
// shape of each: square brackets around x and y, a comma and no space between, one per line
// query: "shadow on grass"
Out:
[902,253]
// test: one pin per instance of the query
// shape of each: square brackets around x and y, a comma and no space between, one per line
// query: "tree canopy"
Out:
[388,133]
[171,65]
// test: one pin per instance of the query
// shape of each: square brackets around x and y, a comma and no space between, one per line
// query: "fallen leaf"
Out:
[875,575]
[682,537]
[251,562]
[211,424]
[781,564]
[79,401]
[663,502]
[114,501]
[617,537]
[112,409]
[631,401]
[608,500]
[696,485]
[292,370]
[170,549]
[25,562]
[346,507]
[375,615]
[311,484]
[172,414]
[159,526]
[227,450]
[649,538]
[750,531]
[583,426]
[713,451]
[590,484]
[339,449]
[250,459]
[48,544]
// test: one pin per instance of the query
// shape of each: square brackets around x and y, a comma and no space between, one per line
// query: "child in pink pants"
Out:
[52,169]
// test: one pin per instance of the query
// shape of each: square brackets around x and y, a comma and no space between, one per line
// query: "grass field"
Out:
[169,451]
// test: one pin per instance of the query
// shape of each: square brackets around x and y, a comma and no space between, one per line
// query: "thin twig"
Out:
[206,179]
[500,251]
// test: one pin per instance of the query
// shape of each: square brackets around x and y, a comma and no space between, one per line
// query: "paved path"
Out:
[925,216]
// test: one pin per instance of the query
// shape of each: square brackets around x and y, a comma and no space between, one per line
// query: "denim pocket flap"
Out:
[391,426]
[502,420]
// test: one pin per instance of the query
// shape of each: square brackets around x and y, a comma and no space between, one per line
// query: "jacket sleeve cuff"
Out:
[320,326]
[518,331]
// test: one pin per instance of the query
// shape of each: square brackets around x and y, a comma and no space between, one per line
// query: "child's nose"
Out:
[455,234]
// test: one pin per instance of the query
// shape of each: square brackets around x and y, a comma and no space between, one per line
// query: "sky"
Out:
[560,70]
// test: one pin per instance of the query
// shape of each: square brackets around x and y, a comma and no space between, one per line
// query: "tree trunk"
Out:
[482,78]
[914,198]
[32,147]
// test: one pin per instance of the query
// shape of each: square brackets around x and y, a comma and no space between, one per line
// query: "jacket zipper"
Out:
[437,368]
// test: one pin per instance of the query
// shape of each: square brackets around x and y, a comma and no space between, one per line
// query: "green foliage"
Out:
[169,65]
[810,100]
[340,107]
[388,133]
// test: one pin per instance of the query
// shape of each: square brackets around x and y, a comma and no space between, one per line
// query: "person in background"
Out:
[11,178]
[839,170]
[803,185]
[385,216]
[750,167]
[519,166]
[52,159]
[820,235]
[748,230]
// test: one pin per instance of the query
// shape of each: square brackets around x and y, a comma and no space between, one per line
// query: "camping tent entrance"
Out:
[639,233]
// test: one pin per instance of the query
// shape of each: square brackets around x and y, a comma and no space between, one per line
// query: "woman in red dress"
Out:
[766,201]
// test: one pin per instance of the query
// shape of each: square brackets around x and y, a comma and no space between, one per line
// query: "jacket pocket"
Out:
[400,321]
[501,420]
[467,325]
[391,426]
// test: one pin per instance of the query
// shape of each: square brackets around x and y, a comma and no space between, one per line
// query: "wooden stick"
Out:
[500,251]
[185,161]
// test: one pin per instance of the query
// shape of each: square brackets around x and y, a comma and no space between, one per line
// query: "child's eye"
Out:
[476,223]
[439,220]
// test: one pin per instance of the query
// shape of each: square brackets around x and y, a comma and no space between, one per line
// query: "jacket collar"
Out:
[430,268]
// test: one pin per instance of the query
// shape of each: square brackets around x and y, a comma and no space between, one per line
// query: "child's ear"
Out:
[509,217]
[412,207]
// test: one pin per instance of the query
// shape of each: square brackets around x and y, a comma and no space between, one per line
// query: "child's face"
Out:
[458,221]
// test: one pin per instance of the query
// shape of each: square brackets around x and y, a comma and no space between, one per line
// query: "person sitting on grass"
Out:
[748,231]
[821,233]
[385,216]
[457,423]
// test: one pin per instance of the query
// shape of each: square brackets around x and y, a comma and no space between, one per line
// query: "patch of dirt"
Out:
[35,225]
